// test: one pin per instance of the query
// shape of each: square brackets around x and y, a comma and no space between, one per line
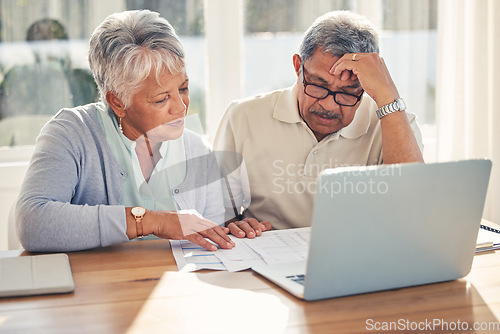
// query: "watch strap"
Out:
[397,105]
[138,213]
[138,227]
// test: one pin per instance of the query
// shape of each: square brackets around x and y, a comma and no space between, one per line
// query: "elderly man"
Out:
[344,110]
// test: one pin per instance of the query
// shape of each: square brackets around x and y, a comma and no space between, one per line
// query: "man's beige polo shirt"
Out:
[283,157]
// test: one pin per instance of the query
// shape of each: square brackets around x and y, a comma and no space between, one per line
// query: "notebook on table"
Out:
[35,275]
[488,239]
[385,227]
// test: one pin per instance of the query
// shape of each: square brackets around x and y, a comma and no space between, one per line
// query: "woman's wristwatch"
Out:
[138,212]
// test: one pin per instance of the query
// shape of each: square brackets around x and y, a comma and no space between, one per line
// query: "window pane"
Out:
[43,57]
[39,75]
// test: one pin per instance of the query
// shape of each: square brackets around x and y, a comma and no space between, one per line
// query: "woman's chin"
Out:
[166,132]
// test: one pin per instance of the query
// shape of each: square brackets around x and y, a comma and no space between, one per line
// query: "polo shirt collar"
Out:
[287,110]
[361,122]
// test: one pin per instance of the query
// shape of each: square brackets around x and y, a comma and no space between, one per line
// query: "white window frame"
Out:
[223,33]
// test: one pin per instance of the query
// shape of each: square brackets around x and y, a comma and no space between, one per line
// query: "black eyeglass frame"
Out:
[329,92]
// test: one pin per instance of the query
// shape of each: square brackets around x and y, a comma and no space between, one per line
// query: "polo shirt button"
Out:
[176,191]
[315,152]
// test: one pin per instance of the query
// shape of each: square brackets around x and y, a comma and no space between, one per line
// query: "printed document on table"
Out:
[191,257]
[282,245]
[240,257]
[271,247]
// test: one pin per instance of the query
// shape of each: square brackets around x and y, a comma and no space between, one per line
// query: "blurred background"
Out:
[49,70]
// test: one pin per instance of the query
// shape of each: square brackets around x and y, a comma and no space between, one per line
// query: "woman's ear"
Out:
[116,104]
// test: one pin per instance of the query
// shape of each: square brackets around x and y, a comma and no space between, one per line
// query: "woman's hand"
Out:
[190,225]
[248,227]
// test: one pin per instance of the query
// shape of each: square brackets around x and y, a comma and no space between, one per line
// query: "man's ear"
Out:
[297,62]
[116,104]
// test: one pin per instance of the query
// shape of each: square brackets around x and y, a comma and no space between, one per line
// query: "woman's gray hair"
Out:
[338,33]
[126,47]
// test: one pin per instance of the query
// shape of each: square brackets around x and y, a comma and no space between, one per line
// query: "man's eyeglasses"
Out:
[319,92]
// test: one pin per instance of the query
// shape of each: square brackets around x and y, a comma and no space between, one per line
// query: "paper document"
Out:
[276,246]
[282,246]
[271,247]
[191,257]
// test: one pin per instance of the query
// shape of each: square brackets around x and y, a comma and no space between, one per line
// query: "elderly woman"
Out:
[109,172]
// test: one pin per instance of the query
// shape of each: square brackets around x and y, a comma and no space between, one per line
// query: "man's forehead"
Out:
[318,73]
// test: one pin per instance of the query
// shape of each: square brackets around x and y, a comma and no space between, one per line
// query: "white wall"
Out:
[13,166]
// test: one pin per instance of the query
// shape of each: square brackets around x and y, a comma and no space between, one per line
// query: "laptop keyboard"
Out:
[297,278]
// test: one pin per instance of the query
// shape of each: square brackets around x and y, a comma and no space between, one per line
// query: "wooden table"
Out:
[135,288]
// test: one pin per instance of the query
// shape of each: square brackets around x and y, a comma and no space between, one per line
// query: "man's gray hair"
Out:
[126,47]
[338,33]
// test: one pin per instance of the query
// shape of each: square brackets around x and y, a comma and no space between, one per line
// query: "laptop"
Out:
[386,227]
[35,275]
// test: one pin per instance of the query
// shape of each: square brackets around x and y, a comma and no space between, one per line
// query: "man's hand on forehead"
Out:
[372,73]
[346,75]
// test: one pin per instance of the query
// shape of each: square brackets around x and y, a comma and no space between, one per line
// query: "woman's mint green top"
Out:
[169,172]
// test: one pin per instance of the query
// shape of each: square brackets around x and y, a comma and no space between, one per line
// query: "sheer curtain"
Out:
[468,80]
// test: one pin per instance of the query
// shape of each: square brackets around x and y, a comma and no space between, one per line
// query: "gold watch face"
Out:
[138,211]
